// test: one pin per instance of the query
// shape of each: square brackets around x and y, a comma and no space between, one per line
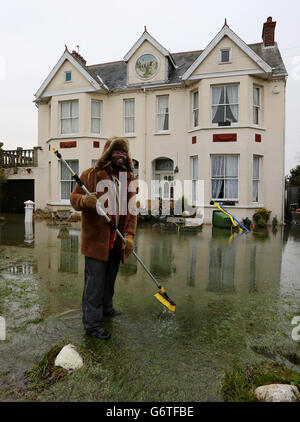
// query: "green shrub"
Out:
[261,222]
[247,222]
[262,213]
[274,221]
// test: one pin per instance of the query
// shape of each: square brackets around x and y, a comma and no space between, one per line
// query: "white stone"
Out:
[277,393]
[186,214]
[69,358]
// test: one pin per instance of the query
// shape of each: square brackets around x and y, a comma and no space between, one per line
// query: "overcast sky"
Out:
[33,34]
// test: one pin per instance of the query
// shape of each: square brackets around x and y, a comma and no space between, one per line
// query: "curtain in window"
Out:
[256,96]
[195,178]
[129,116]
[67,184]
[255,179]
[227,97]
[232,99]
[231,171]
[69,117]
[163,113]
[217,172]
[95,117]
[256,105]
[217,98]
[195,109]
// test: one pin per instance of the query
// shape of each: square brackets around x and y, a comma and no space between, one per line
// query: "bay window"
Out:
[255,181]
[163,112]
[224,177]
[194,178]
[67,184]
[69,117]
[195,107]
[225,104]
[96,112]
[256,105]
[129,117]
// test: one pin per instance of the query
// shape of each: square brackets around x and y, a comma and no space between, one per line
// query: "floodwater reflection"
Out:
[226,287]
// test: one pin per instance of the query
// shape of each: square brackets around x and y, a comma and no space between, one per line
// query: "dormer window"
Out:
[68,76]
[225,55]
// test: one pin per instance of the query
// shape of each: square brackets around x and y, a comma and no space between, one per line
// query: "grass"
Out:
[239,385]
[44,373]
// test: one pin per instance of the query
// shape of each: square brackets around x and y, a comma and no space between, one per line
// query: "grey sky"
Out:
[33,35]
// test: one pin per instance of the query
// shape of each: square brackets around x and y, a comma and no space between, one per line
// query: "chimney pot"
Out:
[268,33]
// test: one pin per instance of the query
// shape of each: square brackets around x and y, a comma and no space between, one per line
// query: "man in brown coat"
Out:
[104,250]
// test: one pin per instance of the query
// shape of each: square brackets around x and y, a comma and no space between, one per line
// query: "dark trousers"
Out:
[99,283]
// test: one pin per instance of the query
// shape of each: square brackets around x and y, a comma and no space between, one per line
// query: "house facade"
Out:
[216,115]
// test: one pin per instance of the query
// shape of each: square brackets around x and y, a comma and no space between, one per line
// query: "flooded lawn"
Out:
[235,300]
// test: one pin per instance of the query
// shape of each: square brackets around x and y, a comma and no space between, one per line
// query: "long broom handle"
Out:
[77,179]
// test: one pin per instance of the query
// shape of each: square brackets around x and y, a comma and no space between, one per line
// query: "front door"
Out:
[166,189]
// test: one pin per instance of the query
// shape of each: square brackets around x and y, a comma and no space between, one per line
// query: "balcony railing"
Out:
[19,157]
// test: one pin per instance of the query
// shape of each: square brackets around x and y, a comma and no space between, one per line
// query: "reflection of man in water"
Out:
[103,250]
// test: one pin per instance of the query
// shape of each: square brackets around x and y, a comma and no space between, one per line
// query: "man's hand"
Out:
[89,201]
[128,247]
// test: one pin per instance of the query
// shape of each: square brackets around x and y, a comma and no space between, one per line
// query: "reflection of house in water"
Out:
[69,246]
[161,257]
[129,268]
[253,279]
[26,267]
[221,268]
[192,268]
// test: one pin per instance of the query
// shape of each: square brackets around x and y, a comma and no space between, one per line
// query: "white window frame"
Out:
[214,105]
[128,117]
[68,118]
[194,110]
[194,178]
[256,179]
[258,107]
[224,178]
[96,118]
[167,113]
[71,181]
[220,56]
[68,71]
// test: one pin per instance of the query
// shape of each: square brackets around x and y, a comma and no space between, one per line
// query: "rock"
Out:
[277,393]
[69,358]
[186,214]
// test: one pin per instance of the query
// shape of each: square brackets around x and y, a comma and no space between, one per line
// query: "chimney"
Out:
[78,57]
[268,34]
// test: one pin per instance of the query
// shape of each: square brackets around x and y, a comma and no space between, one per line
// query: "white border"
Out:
[154,74]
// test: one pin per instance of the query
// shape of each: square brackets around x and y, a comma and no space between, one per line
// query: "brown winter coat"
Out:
[95,231]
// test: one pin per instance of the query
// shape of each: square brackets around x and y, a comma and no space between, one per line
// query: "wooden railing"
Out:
[19,157]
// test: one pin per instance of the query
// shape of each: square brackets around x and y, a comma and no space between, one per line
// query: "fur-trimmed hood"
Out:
[112,144]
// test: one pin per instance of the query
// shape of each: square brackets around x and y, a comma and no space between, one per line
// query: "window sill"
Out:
[194,129]
[165,132]
[225,62]
[129,135]
[61,203]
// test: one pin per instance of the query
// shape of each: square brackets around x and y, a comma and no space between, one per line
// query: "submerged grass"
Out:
[239,384]
[44,373]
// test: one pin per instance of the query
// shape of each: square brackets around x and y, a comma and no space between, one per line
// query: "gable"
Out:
[239,60]
[58,83]
[226,32]
[52,82]
[160,74]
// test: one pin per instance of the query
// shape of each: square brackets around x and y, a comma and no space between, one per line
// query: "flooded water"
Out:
[234,296]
